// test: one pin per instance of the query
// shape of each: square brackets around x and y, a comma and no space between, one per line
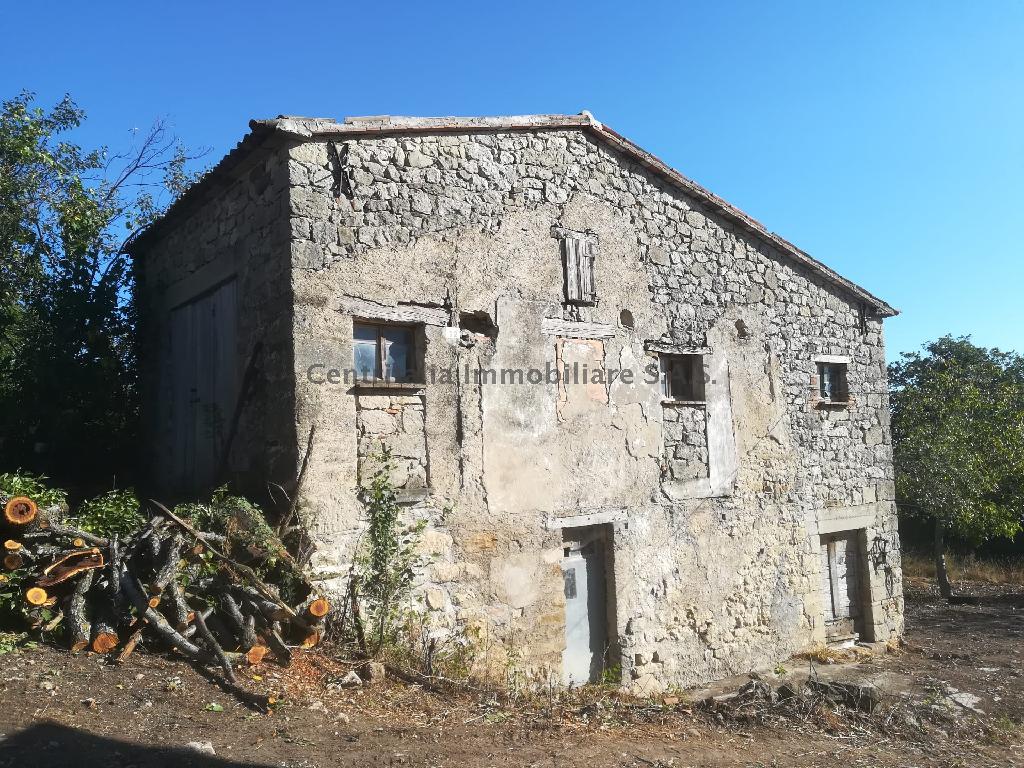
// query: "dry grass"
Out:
[822,654]
[965,568]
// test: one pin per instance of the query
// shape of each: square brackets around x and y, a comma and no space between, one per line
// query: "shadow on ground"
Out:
[52,745]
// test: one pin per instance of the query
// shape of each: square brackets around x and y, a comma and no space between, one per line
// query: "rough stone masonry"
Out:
[727,504]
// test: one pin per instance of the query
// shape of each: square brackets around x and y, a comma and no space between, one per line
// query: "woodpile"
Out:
[203,594]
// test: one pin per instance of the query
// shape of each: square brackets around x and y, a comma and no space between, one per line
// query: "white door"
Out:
[202,362]
[583,575]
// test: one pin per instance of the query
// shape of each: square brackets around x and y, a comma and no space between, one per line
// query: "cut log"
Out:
[12,545]
[255,654]
[319,608]
[129,647]
[78,543]
[236,569]
[70,565]
[141,602]
[271,633]
[20,510]
[114,567]
[311,639]
[53,623]
[192,628]
[272,611]
[167,564]
[74,533]
[13,561]
[277,643]
[36,595]
[177,609]
[79,628]
[214,647]
[104,637]
[243,628]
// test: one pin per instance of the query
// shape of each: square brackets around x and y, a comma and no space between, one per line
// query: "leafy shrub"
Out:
[249,539]
[115,512]
[34,486]
[12,599]
[243,522]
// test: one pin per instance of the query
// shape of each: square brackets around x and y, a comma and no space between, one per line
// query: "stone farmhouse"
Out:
[647,436]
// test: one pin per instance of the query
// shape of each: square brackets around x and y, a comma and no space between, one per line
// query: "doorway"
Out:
[200,368]
[841,572]
[586,571]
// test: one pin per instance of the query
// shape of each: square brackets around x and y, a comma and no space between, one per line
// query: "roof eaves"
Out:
[239,154]
[742,219]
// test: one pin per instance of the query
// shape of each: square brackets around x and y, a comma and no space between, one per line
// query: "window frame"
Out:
[696,385]
[413,374]
[838,392]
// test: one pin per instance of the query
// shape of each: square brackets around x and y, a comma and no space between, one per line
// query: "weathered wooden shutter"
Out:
[587,288]
[578,255]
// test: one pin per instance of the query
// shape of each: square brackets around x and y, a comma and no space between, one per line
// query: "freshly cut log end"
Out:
[104,637]
[319,608]
[78,543]
[311,640]
[255,654]
[13,561]
[154,601]
[36,595]
[78,645]
[12,545]
[20,510]
[105,642]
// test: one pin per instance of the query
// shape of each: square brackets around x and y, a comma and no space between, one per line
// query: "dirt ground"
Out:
[954,696]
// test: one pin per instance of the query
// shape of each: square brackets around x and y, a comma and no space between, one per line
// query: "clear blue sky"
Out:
[886,139]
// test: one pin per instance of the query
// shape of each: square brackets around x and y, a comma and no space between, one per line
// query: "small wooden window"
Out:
[578,259]
[382,351]
[682,378]
[832,384]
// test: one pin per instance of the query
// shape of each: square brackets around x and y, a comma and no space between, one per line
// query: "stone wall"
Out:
[469,223]
[686,442]
[238,228]
[713,513]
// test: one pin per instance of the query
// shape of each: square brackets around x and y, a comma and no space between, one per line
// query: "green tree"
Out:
[958,442]
[68,403]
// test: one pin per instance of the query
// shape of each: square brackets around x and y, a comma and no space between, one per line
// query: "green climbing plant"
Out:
[386,565]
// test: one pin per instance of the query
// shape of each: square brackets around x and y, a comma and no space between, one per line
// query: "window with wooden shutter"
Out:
[578,259]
